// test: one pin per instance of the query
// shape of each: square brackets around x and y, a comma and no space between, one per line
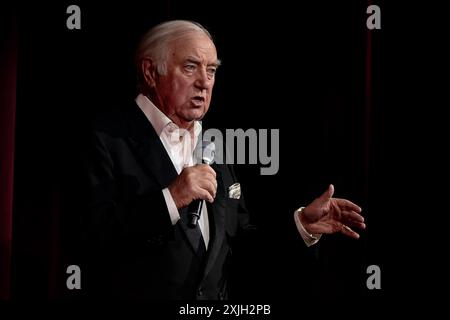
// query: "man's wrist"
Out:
[308,237]
[301,216]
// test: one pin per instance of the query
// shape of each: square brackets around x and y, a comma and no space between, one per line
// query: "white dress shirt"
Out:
[180,147]
[309,238]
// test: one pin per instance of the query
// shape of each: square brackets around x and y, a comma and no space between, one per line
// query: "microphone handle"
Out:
[194,211]
[195,208]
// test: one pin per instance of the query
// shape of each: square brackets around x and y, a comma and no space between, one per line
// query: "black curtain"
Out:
[8,77]
[312,72]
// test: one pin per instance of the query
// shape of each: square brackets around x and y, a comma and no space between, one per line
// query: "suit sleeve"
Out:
[115,211]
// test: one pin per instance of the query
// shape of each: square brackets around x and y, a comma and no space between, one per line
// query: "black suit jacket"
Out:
[133,250]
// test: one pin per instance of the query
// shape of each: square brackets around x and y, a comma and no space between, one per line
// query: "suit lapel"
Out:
[156,161]
[149,148]
[216,212]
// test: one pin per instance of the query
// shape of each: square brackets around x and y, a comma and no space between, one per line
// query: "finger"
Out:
[346,230]
[209,186]
[207,168]
[205,176]
[206,195]
[326,227]
[210,176]
[346,204]
[355,224]
[350,215]
[359,225]
[328,194]
[352,219]
[204,168]
[212,180]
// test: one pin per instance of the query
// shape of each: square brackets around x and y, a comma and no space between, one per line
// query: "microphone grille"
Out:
[208,151]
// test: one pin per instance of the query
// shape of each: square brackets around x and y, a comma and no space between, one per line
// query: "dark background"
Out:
[314,71]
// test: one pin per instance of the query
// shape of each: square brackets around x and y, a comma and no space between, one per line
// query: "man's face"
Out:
[184,92]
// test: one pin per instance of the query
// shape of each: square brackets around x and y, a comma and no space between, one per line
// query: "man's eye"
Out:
[189,67]
[211,71]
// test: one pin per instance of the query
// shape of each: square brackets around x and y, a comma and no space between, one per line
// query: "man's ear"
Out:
[149,72]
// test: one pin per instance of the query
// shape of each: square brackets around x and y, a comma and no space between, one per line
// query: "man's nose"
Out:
[204,81]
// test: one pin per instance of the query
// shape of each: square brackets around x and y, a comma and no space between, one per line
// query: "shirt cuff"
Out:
[171,206]
[309,238]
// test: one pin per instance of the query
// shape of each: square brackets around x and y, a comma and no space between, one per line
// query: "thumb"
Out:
[328,194]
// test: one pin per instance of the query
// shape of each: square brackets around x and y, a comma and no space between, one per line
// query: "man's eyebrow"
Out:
[193,60]
[197,61]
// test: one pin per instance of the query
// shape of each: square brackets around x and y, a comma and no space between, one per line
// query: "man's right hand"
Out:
[197,182]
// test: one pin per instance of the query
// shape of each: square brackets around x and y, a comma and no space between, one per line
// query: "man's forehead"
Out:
[194,45]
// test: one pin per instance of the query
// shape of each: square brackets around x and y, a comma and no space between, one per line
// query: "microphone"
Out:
[195,207]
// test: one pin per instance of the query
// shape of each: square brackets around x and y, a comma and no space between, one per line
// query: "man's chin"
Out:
[196,115]
[189,120]
[200,117]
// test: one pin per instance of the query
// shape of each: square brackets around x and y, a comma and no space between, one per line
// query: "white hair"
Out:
[155,43]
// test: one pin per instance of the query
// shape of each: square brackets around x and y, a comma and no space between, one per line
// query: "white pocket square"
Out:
[234,191]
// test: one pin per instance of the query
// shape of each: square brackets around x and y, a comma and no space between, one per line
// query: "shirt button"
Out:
[200,292]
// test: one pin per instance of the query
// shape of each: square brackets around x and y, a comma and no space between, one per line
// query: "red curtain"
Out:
[8,77]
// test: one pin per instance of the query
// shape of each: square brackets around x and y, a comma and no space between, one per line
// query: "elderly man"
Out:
[143,176]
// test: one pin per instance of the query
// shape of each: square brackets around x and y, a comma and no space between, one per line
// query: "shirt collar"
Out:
[158,119]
